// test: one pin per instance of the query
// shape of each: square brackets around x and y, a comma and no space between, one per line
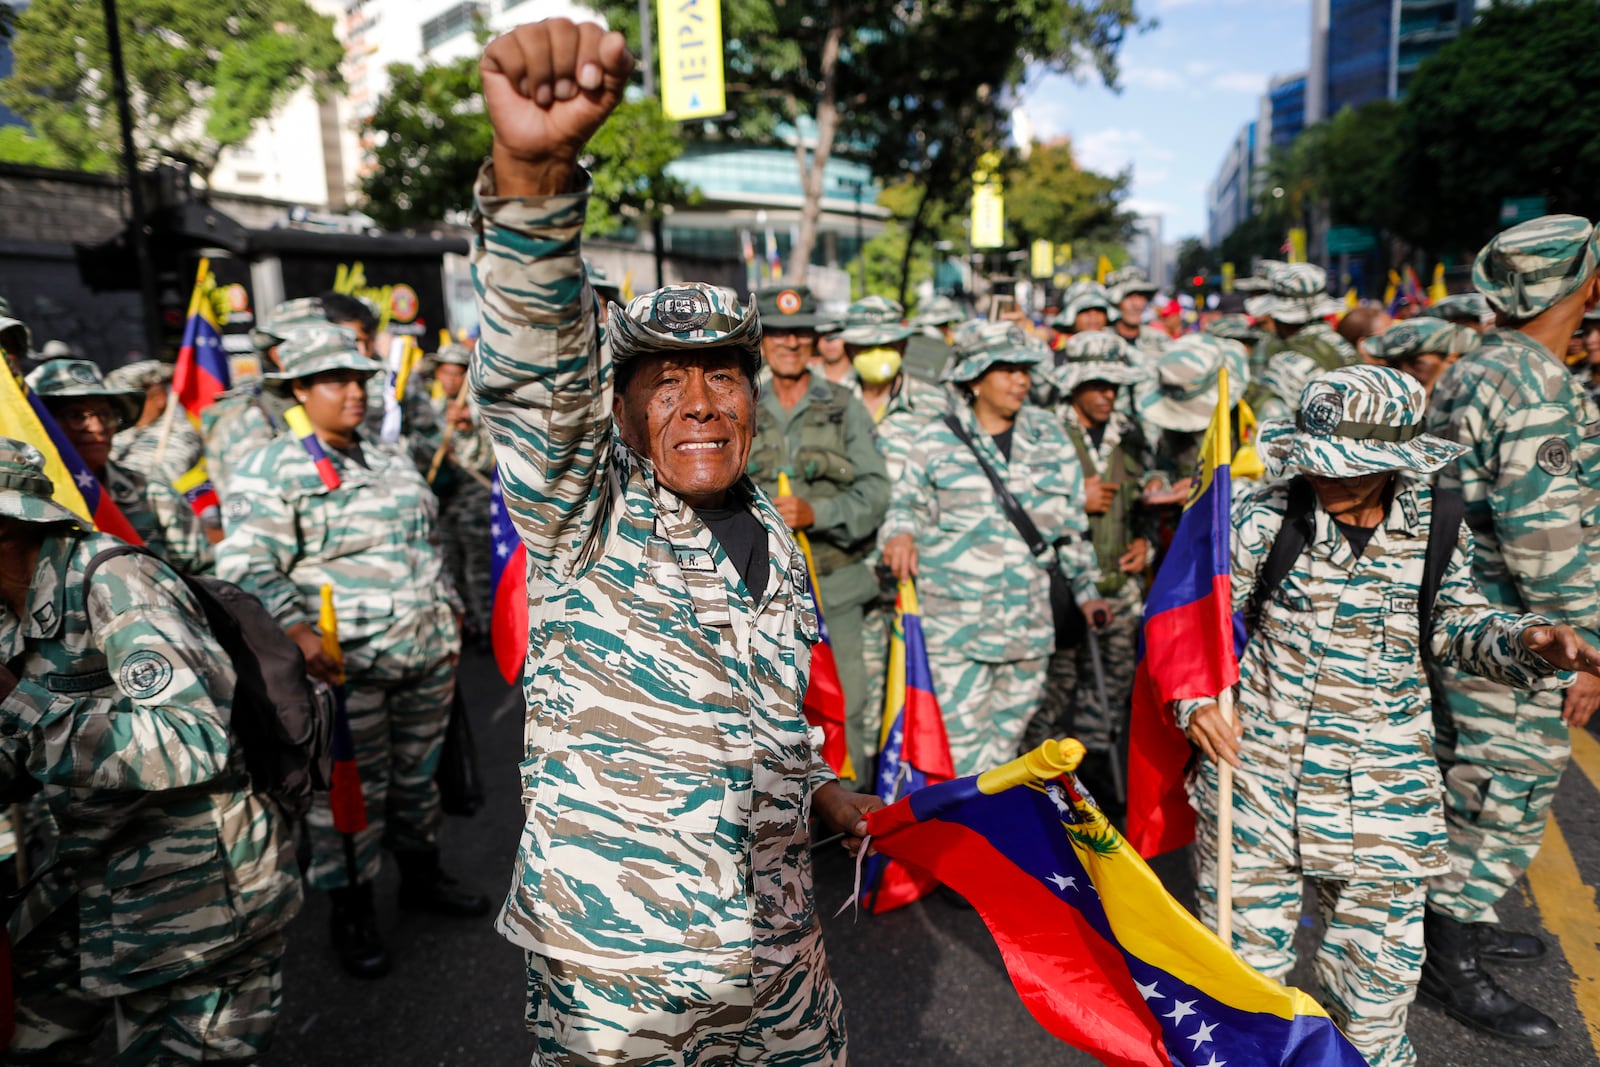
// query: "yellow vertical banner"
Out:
[1044,259]
[690,36]
[988,217]
[1297,245]
[1227,277]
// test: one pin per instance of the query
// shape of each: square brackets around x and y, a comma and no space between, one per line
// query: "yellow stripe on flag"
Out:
[328,623]
[18,421]
[804,542]
[1216,450]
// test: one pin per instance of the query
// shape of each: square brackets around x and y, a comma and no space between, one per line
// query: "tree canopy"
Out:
[1049,197]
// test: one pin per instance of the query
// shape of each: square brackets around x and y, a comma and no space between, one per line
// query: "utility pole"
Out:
[130,167]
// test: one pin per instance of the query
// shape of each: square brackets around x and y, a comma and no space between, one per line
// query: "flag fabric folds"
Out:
[300,426]
[824,701]
[201,372]
[196,487]
[345,797]
[1188,645]
[508,589]
[1102,956]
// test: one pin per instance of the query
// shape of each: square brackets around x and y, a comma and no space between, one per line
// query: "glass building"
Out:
[1366,50]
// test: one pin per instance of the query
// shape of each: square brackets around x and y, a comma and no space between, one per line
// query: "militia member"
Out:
[167,883]
[1333,735]
[830,357]
[930,349]
[1275,395]
[462,485]
[1422,347]
[136,447]
[1131,292]
[1297,304]
[1188,379]
[985,596]
[1463,309]
[373,538]
[662,886]
[1530,474]
[89,412]
[821,435]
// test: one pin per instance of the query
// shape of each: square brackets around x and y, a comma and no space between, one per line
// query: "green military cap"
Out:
[1096,356]
[25,489]
[310,350]
[685,317]
[1079,297]
[1420,336]
[1126,281]
[875,320]
[938,311]
[1188,375]
[1235,328]
[453,354]
[1354,421]
[787,307]
[991,343]
[66,379]
[141,375]
[1467,308]
[1533,265]
[1297,293]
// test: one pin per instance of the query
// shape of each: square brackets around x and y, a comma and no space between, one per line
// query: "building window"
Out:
[452,22]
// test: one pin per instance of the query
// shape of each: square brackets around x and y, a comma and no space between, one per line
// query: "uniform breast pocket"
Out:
[961,498]
[332,527]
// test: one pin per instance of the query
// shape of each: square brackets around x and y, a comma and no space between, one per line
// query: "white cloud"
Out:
[1157,78]
[1143,206]
[1240,81]
[1109,151]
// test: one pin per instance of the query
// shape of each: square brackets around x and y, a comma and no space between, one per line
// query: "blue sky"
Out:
[1187,87]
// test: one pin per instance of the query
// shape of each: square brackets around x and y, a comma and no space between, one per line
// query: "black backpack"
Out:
[283,722]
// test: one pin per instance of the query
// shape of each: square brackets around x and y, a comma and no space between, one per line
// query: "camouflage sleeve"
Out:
[262,545]
[859,508]
[188,548]
[537,373]
[1474,637]
[1537,503]
[422,430]
[167,728]
[910,498]
[232,437]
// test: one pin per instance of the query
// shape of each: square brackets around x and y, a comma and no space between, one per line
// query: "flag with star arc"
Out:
[508,589]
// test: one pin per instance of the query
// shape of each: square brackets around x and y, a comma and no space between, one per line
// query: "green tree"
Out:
[628,158]
[1049,197]
[17,145]
[200,76]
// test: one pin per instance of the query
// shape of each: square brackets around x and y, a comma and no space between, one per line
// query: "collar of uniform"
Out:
[1518,339]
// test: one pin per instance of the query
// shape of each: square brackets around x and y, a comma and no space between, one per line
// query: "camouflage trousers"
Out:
[1071,706]
[398,722]
[986,705]
[464,536]
[1371,953]
[587,1018]
[225,1014]
[1502,752]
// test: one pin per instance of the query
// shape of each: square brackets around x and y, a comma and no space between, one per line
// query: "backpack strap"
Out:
[1449,509]
[108,554]
[1293,537]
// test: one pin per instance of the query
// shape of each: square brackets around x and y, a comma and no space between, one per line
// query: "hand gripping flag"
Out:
[300,426]
[913,750]
[1187,648]
[1101,955]
[824,702]
[508,577]
[24,417]
[345,796]
[201,372]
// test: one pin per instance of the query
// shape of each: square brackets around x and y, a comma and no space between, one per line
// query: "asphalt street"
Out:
[922,986]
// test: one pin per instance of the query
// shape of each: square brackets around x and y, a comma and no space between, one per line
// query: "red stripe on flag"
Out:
[508,621]
[824,705]
[108,518]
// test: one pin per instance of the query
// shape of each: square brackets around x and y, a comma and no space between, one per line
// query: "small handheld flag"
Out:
[195,485]
[345,797]
[824,700]
[508,578]
[300,426]
[1437,290]
[201,372]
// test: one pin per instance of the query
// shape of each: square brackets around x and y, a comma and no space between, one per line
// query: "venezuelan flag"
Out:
[508,578]
[300,425]
[345,796]
[201,372]
[195,485]
[1102,956]
[913,750]
[1188,645]
[824,701]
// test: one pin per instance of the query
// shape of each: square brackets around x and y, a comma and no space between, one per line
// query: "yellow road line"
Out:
[1586,754]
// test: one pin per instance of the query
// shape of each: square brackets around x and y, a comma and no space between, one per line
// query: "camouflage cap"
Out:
[787,307]
[25,489]
[1235,328]
[938,311]
[57,349]
[1286,375]
[685,317]
[1257,282]
[1096,356]
[1079,297]
[600,281]
[454,355]
[1126,281]
[301,311]
[1187,376]
[1420,336]
[1354,421]
[991,343]
[1466,308]
[1297,294]
[141,375]
[1530,267]
[65,379]
[311,350]
[875,320]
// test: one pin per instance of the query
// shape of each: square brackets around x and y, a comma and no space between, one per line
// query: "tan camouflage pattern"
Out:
[464,533]
[1531,266]
[237,423]
[161,516]
[136,448]
[1186,379]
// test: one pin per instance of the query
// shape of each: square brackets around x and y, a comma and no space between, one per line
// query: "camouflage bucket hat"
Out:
[991,343]
[453,355]
[1187,382]
[938,311]
[600,281]
[1235,328]
[787,307]
[64,379]
[1257,282]
[1420,336]
[139,376]
[316,350]
[1287,374]
[1354,421]
[301,311]
[875,320]
[1528,268]
[1126,281]
[25,489]
[1298,294]
[1469,309]
[685,317]
[1082,296]
[1096,356]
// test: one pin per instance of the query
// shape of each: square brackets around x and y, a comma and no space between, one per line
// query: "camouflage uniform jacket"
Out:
[159,514]
[1318,341]
[1332,692]
[240,421]
[911,406]
[1531,477]
[669,769]
[1149,345]
[136,447]
[374,539]
[976,576]
[121,712]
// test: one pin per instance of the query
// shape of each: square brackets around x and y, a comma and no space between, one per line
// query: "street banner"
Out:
[690,32]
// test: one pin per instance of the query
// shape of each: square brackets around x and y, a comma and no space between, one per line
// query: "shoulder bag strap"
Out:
[1008,503]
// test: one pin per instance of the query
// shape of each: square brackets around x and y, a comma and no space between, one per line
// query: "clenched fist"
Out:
[548,86]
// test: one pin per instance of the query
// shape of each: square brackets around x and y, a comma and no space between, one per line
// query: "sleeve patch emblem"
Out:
[145,674]
[1555,457]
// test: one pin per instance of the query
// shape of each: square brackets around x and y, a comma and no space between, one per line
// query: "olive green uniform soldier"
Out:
[163,894]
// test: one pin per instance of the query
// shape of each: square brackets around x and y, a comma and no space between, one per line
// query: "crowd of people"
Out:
[1412,551]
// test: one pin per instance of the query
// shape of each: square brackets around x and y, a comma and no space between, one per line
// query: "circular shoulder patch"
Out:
[144,674]
[681,310]
[78,372]
[236,507]
[1555,457]
[1322,413]
[788,301]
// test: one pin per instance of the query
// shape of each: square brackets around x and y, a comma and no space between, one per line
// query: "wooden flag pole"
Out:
[1225,829]
[166,427]
[439,453]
